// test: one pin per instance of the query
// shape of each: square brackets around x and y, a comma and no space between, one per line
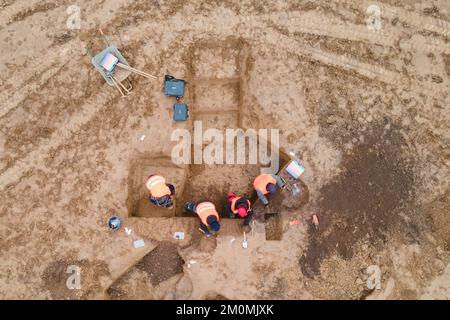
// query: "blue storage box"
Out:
[180,112]
[173,87]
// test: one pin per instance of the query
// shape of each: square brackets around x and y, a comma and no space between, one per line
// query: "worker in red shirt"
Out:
[239,207]
[161,193]
[209,218]
[265,184]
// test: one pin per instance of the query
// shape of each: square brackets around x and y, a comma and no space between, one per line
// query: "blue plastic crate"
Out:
[173,87]
[180,112]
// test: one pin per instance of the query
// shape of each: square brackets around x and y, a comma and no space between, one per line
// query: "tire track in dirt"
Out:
[93,106]
[44,72]
[23,166]
[89,109]
[417,20]
[361,33]
[412,18]
[308,24]
[427,45]
[47,66]
[21,10]
[420,22]
[365,69]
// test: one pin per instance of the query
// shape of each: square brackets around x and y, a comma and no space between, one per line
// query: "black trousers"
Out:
[165,201]
[230,214]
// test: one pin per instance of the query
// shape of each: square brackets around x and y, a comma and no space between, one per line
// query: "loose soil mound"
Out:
[364,201]
[162,263]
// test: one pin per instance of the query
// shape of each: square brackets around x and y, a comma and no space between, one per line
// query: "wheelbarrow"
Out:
[114,68]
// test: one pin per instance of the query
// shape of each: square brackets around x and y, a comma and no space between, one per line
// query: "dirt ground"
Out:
[366,111]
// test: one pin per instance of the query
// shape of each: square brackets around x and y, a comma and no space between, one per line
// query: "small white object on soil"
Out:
[244,243]
[192,262]
[142,137]
[179,235]
[232,240]
[128,231]
[292,154]
[139,243]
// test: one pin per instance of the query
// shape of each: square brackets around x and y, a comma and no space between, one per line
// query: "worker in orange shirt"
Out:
[267,184]
[161,193]
[240,207]
[208,215]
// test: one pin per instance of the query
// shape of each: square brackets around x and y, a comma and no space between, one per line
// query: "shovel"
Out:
[244,243]
[286,185]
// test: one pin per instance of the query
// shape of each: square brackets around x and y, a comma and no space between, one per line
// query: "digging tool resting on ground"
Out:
[238,206]
[161,193]
[114,68]
[265,184]
[208,215]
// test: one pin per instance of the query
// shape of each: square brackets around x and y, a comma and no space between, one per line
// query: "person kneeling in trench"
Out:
[265,184]
[208,215]
[161,193]
[239,206]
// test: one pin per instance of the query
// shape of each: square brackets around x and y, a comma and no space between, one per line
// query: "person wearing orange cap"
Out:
[267,183]
[209,218]
[161,193]
[239,206]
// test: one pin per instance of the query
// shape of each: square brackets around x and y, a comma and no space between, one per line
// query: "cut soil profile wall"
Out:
[216,84]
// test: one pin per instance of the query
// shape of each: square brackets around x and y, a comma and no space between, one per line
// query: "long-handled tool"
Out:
[315,221]
[208,235]
[116,84]
[286,185]
[139,72]
[244,243]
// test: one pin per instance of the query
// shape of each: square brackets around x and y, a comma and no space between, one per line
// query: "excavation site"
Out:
[224,150]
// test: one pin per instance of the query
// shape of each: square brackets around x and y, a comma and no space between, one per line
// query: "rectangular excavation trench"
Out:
[193,183]
[215,87]
[216,84]
[216,75]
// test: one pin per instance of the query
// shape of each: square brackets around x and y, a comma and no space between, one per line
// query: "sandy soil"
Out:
[367,113]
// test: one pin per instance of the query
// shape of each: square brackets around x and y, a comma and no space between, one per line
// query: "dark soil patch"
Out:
[215,296]
[439,212]
[364,201]
[273,226]
[162,263]
[213,183]
[447,63]
[116,293]
[286,201]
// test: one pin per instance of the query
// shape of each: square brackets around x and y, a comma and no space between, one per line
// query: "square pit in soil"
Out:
[138,203]
[214,182]
[273,226]
[213,60]
[216,96]
[219,121]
